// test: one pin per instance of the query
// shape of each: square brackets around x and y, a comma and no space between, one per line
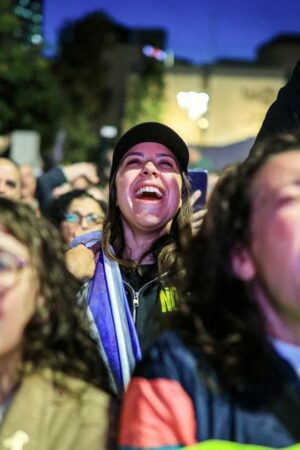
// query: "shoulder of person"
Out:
[168,356]
[55,410]
[63,385]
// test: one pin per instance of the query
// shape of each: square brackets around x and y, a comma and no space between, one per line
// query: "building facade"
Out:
[236,101]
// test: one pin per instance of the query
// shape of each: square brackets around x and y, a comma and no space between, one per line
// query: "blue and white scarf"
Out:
[112,319]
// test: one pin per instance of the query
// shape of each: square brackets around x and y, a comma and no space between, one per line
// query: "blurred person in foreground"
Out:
[229,369]
[51,379]
[130,267]
[10,179]
[75,213]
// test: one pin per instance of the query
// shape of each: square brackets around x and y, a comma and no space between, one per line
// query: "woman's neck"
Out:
[282,325]
[136,248]
[9,377]
[137,244]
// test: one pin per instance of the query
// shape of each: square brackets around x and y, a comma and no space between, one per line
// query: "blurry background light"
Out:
[196,103]
[108,131]
[154,52]
[36,38]
[203,123]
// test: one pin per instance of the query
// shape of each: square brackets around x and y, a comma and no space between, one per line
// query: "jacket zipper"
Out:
[136,294]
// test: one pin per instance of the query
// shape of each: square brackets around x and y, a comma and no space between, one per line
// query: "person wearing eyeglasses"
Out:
[75,213]
[52,382]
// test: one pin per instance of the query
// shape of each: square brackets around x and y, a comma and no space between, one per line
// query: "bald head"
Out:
[10,179]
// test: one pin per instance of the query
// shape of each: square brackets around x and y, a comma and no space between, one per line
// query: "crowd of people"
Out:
[128,319]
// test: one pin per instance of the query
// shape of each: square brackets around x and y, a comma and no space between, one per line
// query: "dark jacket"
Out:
[45,185]
[149,299]
[175,399]
[120,330]
[284,114]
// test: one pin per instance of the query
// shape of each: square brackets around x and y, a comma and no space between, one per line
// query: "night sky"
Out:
[198,30]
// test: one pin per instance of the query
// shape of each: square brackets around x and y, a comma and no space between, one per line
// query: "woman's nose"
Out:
[150,167]
[84,223]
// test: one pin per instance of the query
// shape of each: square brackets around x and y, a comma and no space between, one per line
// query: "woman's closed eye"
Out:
[168,163]
[132,161]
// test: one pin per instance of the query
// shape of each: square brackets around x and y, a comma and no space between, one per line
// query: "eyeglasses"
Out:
[76,218]
[10,267]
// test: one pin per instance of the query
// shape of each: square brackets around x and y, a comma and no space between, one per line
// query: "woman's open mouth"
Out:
[149,193]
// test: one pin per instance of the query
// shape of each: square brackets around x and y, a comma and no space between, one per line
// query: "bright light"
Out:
[36,38]
[196,103]
[154,52]
[203,123]
[108,131]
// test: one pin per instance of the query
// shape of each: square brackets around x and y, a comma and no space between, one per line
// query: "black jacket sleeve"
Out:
[284,114]
[46,183]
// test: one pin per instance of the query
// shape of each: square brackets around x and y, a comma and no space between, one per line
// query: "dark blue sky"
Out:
[199,30]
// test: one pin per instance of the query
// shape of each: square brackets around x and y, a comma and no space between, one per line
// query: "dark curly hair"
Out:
[164,249]
[217,311]
[58,334]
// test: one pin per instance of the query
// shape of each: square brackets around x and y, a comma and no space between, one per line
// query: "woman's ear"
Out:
[242,263]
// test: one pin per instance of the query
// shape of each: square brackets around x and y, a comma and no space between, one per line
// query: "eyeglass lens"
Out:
[77,218]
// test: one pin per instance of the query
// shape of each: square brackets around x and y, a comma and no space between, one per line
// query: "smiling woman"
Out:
[148,187]
[131,269]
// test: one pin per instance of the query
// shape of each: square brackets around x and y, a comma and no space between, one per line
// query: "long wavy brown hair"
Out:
[58,335]
[164,249]
[218,313]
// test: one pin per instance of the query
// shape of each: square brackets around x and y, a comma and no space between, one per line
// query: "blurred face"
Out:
[18,294]
[148,186]
[28,182]
[10,180]
[83,215]
[272,261]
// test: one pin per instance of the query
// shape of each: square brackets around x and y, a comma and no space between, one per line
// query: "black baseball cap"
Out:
[151,132]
